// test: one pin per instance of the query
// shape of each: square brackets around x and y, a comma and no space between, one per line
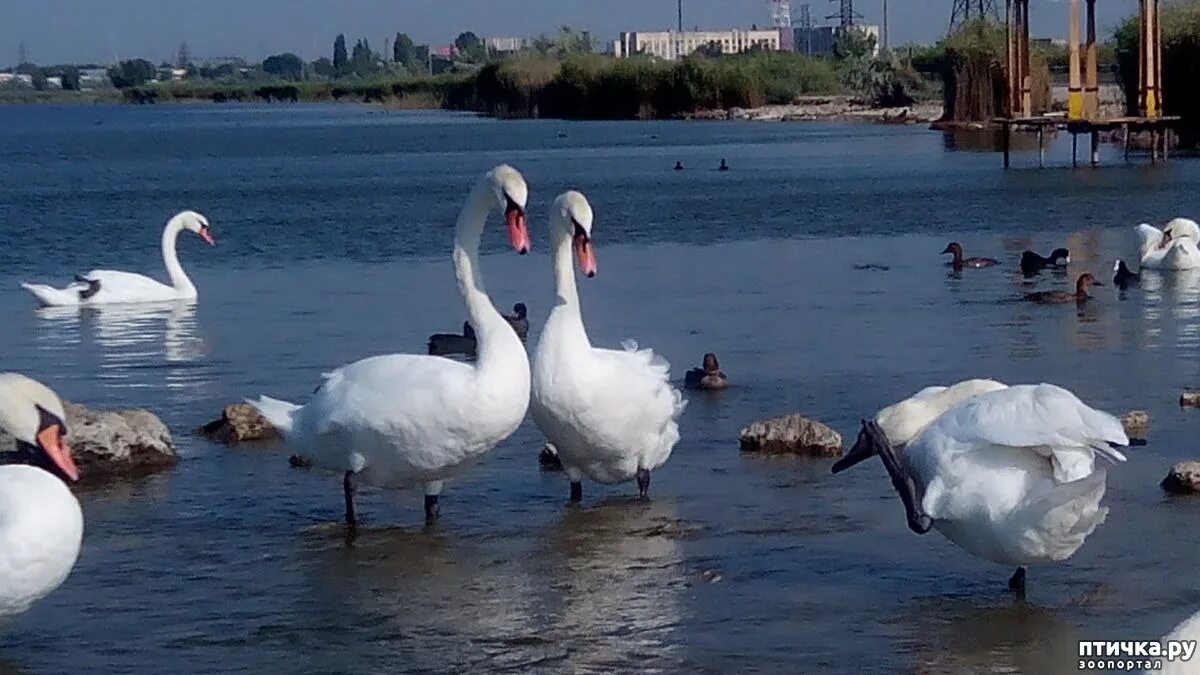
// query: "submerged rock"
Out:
[548,459]
[299,462]
[1189,399]
[105,443]
[1183,479]
[239,423]
[791,434]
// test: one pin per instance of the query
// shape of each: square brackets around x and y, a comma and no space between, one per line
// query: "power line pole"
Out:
[680,9]
[964,10]
[22,53]
[884,35]
[846,14]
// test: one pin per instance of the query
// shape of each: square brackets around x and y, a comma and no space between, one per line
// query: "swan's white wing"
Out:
[902,421]
[1149,238]
[1044,418]
[113,281]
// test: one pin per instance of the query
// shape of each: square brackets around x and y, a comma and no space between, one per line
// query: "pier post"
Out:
[1091,86]
[1126,126]
[1075,84]
[1074,150]
[1004,142]
[1041,147]
[1026,79]
[1095,148]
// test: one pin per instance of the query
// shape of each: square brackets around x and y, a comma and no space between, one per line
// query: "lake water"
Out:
[333,226]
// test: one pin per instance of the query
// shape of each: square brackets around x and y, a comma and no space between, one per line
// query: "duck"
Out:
[678,165]
[901,422]
[709,376]
[1032,263]
[1010,476]
[41,526]
[1082,284]
[519,320]
[611,414]
[100,287]
[1123,278]
[446,344]
[959,262]
[1174,248]
[404,420]
[724,166]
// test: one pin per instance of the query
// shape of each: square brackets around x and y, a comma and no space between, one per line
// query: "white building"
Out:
[505,45]
[672,45]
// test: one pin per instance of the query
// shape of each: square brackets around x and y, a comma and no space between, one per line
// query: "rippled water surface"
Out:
[333,228]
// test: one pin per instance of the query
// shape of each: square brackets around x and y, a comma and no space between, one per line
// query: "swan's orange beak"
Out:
[585,254]
[51,442]
[1166,239]
[518,233]
[206,235]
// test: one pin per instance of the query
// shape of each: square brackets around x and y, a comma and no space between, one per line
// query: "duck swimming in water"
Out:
[708,377]
[446,344]
[960,262]
[1032,263]
[519,320]
[1123,278]
[1082,284]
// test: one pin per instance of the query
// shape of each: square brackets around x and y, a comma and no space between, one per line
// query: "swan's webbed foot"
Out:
[902,481]
[576,491]
[431,509]
[1016,583]
[643,482]
[351,520]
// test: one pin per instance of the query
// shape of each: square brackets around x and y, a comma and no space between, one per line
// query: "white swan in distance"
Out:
[1173,248]
[904,420]
[109,286]
[404,419]
[41,524]
[1008,475]
[612,414]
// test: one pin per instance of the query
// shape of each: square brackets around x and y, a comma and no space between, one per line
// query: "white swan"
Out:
[108,286]
[902,421]
[1174,248]
[1187,635]
[404,419]
[41,524]
[1008,475]
[611,414]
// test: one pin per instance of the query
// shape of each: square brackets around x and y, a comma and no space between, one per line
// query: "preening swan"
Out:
[611,414]
[41,524]
[1174,248]
[901,422]
[108,286]
[404,419]
[1008,475]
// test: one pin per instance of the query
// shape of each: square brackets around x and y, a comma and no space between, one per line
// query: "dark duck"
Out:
[959,262]
[707,377]
[1080,295]
[1123,278]
[1032,263]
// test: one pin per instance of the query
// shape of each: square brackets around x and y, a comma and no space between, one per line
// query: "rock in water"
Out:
[120,442]
[1136,423]
[239,423]
[1183,479]
[1189,399]
[791,434]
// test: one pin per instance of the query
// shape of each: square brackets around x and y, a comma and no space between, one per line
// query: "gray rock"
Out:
[1183,479]
[105,443]
[1136,423]
[792,434]
[1189,399]
[239,423]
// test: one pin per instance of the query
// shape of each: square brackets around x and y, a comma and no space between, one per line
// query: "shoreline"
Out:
[829,108]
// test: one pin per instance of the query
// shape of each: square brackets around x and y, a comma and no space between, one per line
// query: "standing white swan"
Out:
[1174,248]
[1009,475]
[108,286]
[41,524]
[611,414]
[404,419]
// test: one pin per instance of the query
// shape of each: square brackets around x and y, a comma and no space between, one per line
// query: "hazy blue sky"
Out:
[102,30]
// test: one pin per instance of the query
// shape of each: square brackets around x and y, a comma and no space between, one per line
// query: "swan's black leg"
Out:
[431,509]
[643,481]
[576,491]
[901,480]
[351,520]
[1016,583]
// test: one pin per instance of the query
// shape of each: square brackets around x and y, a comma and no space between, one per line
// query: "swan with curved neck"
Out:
[611,414]
[1173,248]
[41,524]
[109,286]
[404,419]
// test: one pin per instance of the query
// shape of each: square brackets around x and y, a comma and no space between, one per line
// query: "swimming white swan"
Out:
[611,414]
[1174,248]
[404,419]
[41,524]
[108,286]
[902,421]
[1009,475]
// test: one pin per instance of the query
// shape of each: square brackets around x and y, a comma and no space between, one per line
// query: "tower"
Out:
[846,14]
[965,10]
[781,19]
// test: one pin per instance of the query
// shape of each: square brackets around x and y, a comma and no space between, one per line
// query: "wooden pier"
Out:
[1083,97]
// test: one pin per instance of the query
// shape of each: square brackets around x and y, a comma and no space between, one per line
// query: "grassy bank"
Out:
[1180,68]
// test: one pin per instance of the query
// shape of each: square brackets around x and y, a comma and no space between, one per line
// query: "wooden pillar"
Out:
[1095,148]
[1074,150]
[1091,78]
[1127,132]
[1075,83]
[1041,146]
[1006,129]
[1026,80]
[1010,60]
[1149,65]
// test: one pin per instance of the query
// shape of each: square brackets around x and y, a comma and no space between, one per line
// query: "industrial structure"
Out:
[673,45]
[965,10]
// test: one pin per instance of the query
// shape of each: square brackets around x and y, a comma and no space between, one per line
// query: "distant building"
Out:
[54,82]
[16,80]
[505,45]
[819,40]
[446,51]
[673,45]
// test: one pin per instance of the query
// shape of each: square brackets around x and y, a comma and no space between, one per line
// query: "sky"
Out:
[103,31]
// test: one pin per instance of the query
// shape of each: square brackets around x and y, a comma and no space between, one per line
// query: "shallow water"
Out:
[333,226]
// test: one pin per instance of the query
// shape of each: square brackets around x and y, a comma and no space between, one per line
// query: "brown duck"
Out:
[960,262]
[1082,285]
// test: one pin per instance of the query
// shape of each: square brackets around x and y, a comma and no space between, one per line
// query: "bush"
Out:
[1180,67]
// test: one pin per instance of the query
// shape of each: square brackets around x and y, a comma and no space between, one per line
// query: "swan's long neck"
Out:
[179,278]
[495,339]
[566,303]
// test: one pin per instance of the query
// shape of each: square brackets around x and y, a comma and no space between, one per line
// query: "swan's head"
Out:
[194,222]
[509,189]
[34,415]
[571,215]
[1180,228]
